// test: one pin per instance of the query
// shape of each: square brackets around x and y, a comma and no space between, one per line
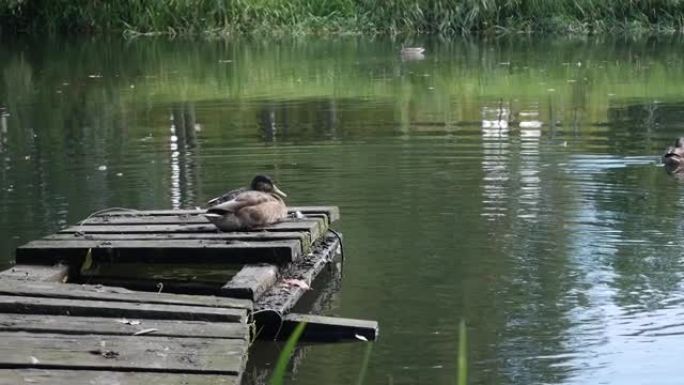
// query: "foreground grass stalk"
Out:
[364,364]
[278,376]
[462,354]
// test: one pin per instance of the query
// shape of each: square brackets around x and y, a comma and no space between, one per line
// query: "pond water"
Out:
[512,183]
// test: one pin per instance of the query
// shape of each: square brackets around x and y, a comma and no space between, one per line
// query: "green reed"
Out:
[462,361]
[445,17]
[278,376]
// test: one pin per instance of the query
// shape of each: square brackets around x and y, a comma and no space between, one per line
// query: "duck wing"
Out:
[240,201]
[265,213]
[230,195]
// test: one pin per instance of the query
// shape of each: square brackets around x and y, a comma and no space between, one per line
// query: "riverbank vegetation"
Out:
[444,17]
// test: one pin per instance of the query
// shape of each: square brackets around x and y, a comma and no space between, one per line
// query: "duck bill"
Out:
[279,192]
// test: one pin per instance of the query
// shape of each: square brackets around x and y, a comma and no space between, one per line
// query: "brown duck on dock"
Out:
[260,204]
[673,159]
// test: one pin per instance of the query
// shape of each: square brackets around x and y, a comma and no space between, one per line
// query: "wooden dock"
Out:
[65,320]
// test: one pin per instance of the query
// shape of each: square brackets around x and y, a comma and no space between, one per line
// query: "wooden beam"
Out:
[58,306]
[137,236]
[283,295]
[109,293]
[329,329]
[250,282]
[122,353]
[74,252]
[57,324]
[100,377]
[36,273]
[315,226]
[184,224]
[333,212]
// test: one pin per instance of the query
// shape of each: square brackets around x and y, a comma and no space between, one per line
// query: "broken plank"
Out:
[173,251]
[110,293]
[57,324]
[36,273]
[282,296]
[329,329]
[100,377]
[124,353]
[251,282]
[59,306]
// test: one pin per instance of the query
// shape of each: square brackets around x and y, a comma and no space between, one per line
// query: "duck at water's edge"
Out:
[412,53]
[673,159]
[243,209]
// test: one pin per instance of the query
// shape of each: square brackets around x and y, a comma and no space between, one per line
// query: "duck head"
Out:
[265,184]
[673,159]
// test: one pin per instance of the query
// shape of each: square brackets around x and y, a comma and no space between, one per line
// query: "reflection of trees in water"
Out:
[315,118]
[524,206]
[184,157]
[651,123]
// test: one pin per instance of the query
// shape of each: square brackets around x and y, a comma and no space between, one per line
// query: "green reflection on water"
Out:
[554,243]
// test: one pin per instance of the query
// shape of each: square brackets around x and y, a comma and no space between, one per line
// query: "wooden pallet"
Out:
[52,332]
[56,333]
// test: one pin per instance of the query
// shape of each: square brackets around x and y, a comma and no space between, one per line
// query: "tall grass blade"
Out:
[364,364]
[462,362]
[278,376]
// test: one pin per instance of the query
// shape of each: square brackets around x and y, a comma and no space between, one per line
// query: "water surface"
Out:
[512,183]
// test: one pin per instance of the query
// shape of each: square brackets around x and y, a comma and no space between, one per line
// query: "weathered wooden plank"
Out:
[332,212]
[59,306]
[314,226]
[132,353]
[329,329]
[36,273]
[244,236]
[253,236]
[183,220]
[39,323]
[109,293]
[251,282]
[102,377]
[173,251]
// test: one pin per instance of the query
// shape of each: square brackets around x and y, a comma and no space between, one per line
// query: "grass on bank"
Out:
[446,17]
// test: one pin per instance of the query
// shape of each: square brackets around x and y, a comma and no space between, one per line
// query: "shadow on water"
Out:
[509,182]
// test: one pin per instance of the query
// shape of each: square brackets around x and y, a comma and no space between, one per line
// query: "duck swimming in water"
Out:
[412,53]
[243,209]
[673,159]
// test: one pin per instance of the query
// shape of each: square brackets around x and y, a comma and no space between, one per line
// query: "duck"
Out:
[673,159]
[412,53]
[260,204]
